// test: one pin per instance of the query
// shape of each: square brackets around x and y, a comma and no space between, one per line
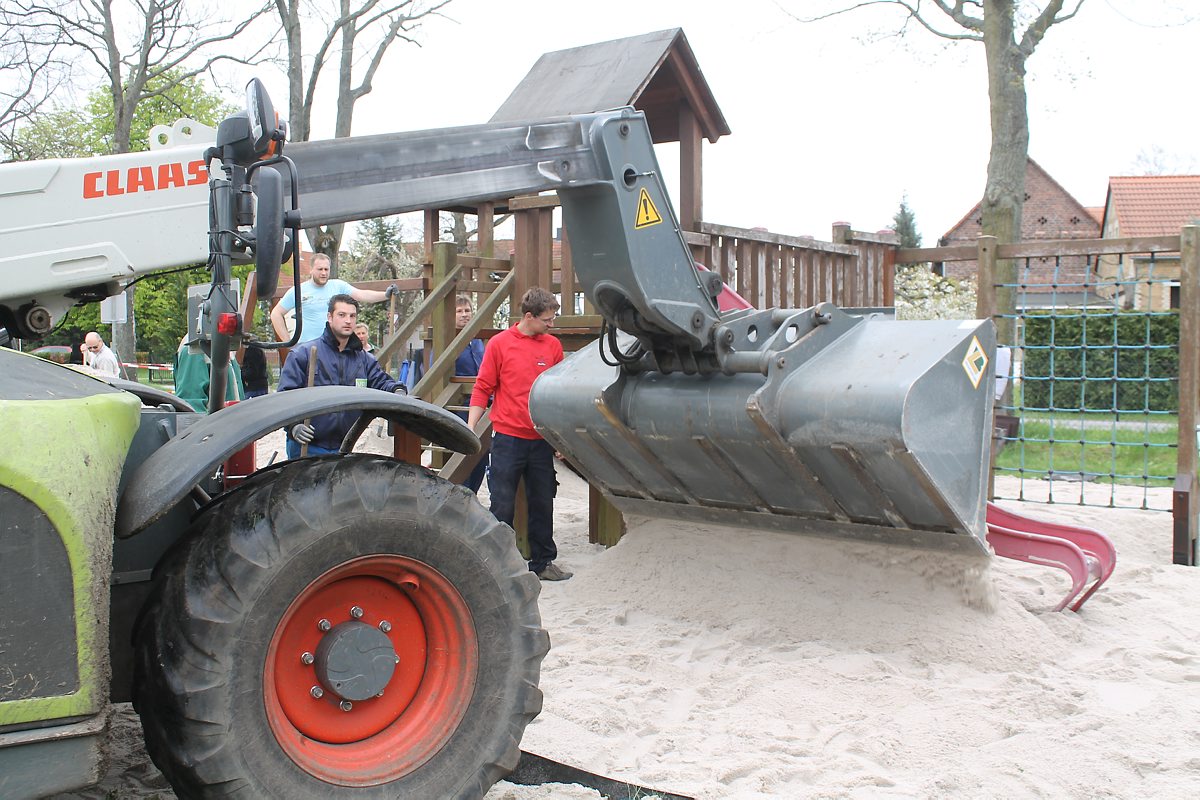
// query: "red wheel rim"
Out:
[385,737]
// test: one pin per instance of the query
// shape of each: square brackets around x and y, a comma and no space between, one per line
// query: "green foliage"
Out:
[377,254]
[905,225]
[1125,362]
[188,98]
[88,131]
[55,134]
[1096,447]
[160,307]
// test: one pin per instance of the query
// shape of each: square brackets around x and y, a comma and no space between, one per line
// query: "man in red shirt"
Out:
[511,363]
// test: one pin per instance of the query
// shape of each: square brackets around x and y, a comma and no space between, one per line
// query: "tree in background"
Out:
[1154,160]
[904,223]
[378,254]
[356,35]
[1010,31]
[32,67]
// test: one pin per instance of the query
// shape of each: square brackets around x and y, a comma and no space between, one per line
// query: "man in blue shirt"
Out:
[315,294]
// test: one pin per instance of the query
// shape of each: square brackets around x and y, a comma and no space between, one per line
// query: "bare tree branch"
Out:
[167,39]
[913,12]
[1037,29]
[994,24]
[358,27]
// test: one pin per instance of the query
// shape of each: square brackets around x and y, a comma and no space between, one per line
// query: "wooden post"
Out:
[606,525]
[985,308]
[691,171]
[1186,491]
[985,293]
[445,257]
[887,273]
[485,219]
[524,256]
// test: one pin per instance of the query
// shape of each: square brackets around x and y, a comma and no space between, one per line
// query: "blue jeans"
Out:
[293,450]
[532,459]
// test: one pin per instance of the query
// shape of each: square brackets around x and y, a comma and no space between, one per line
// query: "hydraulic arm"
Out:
[639,275]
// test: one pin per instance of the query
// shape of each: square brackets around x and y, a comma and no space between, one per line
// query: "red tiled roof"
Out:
[1152,205]
[1096,213]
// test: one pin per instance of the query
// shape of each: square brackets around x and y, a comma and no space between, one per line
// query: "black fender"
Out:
[168,475]
[149,395]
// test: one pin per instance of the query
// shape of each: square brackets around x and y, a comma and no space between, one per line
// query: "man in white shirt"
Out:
[98,356]
[315,294]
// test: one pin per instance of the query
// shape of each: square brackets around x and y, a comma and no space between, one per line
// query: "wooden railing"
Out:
[770,269]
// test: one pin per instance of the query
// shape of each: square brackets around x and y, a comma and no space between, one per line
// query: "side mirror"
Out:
[266,131]
[269,239]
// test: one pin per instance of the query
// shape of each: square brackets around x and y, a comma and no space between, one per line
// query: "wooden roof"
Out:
[654,72]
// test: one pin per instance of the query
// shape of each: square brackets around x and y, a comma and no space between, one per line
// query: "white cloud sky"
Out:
[827,126]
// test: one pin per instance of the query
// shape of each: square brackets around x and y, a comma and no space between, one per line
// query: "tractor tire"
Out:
[345,627]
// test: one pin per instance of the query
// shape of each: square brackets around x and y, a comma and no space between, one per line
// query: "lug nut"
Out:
[345,705]
[380,693]
[324,625]
[306,658]
[356,612]
[385,626]
[317,692]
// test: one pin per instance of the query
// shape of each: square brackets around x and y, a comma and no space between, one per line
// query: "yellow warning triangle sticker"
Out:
[647,214]
[975,363]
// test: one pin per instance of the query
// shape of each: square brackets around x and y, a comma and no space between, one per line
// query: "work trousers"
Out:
[514,458]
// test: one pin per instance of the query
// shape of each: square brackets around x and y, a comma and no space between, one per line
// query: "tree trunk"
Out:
[1004,194]
[327,240]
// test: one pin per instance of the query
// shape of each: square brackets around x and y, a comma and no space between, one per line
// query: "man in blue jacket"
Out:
[341,361]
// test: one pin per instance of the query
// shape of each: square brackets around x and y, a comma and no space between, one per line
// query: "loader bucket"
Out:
[858,426]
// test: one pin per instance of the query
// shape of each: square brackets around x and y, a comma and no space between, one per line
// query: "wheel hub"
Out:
[355,661]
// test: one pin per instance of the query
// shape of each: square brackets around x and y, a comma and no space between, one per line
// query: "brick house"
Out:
[1049,212]
[1146,205]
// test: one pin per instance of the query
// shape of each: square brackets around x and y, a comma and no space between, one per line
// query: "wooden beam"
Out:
[691,169]
[526,202]
[1186,491]
[1044,247]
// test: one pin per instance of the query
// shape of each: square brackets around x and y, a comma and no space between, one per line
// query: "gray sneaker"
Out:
[552,572]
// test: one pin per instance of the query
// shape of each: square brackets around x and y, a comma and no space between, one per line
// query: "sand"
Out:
[727,663]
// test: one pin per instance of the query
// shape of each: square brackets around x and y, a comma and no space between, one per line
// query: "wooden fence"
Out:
[855,270]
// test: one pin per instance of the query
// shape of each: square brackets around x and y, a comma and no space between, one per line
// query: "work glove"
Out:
[400,389]
[391,290]
[303,433]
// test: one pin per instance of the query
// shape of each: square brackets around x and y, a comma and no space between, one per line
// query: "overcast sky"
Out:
[827,125]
